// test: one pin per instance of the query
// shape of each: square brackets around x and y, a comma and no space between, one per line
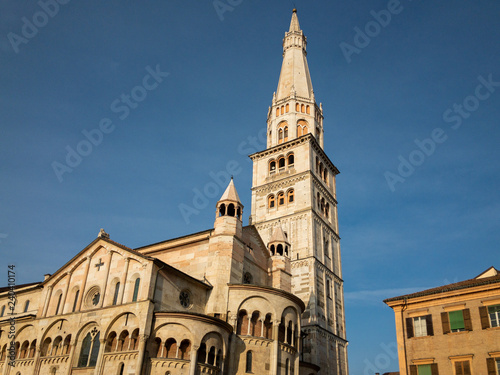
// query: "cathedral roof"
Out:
[278,235]
[230,194]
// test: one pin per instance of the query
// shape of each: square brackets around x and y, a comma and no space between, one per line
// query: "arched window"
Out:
[326,248]
[171,348]
[122,368]
[249,361]
[291,160]
[302,108]
[24,350]
[268,327]
[297,107]
[230,210]
[123,341]
[318,199]
[272,166]
[279,249]
[302,128]
[222,210]
[45,347]
[32,349]
[281,163]
[308,110]
[111,343]
[287,108]
[57,346]
[273,250]
[281,331]
[285,133]
[90,349]
[289,333]
[281,199]
[211,352]
[66,345]
[254,331]
[287,367]
[134,339]
[277,111]
[58,303]
[282,109]
[77,294]
[290,195]
[26,305]
[271,201]
[242,324]
[136,289]
[53,371]
[280,135]
[117,291]
[327,210]
[323,205]
[185,349]
[325,175]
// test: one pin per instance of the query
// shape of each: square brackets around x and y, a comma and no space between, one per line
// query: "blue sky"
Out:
[209,103]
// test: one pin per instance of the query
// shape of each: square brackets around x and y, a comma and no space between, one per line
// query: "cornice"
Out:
[284,182]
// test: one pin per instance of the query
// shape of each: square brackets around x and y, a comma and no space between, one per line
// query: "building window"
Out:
[247,278]
[285,132]
[430,369]
[287,363]
[272,166]
[77,294]
[136,289]
[185,299]
[281,163]
[290,196]
[270,201]
[462,368]
[419,326]
[494,314]
[58,303]
[249,361]
[291,160]
[456,321]
[280,136]
[281,199]
[90,349]
[117,291]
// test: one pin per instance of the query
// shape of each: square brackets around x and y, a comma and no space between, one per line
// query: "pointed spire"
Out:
[294,23]
[294,76]
[278,235]
[230,194]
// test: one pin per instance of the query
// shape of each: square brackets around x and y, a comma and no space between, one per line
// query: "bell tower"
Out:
[294,205]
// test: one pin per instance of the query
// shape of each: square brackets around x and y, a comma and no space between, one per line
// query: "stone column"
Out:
[276,347]
[123,280]
[36,361]
[142,351]
[66,293]
[47,301]
[194,352]
[70,358]
[99,366]
[106,275]
[84,284]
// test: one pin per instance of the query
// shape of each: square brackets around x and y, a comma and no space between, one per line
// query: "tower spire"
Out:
[294,24]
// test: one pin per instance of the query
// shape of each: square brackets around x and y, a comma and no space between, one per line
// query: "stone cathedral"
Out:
[266,298]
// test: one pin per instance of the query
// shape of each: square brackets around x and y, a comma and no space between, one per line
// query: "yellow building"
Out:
[450,330]
[266,298]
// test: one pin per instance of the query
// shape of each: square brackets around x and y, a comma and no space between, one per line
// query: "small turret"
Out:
[279,263]
[228,216]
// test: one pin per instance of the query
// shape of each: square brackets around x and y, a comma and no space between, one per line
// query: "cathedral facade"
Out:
[266,298]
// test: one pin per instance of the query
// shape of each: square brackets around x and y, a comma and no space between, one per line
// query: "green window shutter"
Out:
[424,370]
[490,363]
[446,323]
[434,368]
[430,328]
[485,321]
[467,320]
[456,320]
[413,370]
[409,327]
